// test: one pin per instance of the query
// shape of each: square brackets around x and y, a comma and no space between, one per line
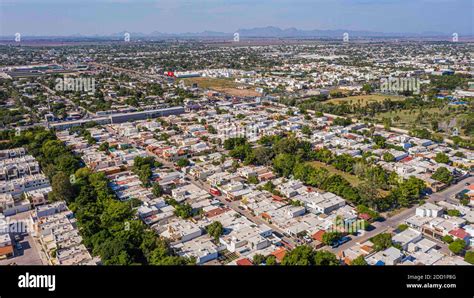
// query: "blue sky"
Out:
[88,17]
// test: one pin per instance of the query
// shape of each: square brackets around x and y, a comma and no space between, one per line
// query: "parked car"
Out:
[344,240]
[18,246]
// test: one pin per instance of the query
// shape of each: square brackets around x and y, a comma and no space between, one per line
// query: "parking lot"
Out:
[26,250]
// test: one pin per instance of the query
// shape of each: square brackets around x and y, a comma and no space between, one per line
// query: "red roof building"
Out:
[6,251]
[319,235]
[365,216]
[459,233]
[406,159]
[244,262]
[278,198]
[215,212]
[279,254]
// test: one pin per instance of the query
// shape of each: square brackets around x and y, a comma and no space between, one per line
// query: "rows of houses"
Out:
[56,229]
[423,241]
[22,184]
[292,209]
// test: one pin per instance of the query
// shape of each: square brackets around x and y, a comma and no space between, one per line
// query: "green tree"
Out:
[301,255]
[145,173]
[388,157]
[441,158]
[330,237]
[454,212]
[211,129]
[457,246]
[341,121]
[402,227]
[106,225]
[183,162]
[215,230]
[113,251]
[163,255]
[359,261]
[253,180]
[243,152]
[66,163]
[379,141]
[469,257]
[258,259]
[382,241]
[271,260]
[317,177]
[284,163]
[104,146]
[262,156]
[325,258]
[115,214]
[231,143]
[387,123]
[183,210]
[367,88]
[305,255]
[447,239]
[306,130]
[268,186]
[157,190]
[62,188]
[442,174]
[408,191]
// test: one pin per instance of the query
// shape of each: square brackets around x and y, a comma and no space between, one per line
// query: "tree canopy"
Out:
[305,255]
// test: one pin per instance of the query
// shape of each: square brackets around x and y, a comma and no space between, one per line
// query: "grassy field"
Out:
[228,86]
[408,118]
[353,180]
[364,99]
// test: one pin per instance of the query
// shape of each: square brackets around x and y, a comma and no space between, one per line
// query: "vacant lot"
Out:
[408,118]
[353,179]
[209,83]
[227,86]
[363,100]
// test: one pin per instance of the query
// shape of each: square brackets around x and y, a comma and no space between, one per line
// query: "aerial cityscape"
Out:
[263,146]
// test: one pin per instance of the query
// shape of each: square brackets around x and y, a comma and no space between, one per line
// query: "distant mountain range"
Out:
[277,32]
[263,32]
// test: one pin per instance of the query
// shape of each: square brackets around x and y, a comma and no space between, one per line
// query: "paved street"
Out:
[234,205]
[449,192]
[388,224]
[30,253]
[393,222]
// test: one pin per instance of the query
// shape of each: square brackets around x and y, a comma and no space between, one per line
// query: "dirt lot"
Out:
[227,86]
